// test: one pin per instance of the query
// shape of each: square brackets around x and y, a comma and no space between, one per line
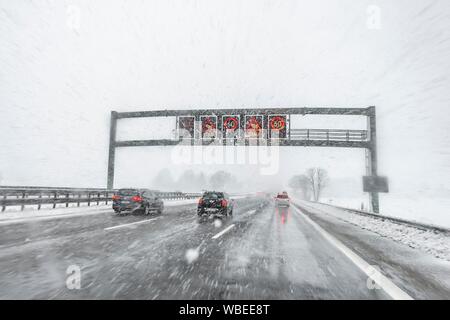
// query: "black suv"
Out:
[214,204]
[144,200]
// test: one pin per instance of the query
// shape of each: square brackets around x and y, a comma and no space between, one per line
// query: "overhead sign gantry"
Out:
[268,125]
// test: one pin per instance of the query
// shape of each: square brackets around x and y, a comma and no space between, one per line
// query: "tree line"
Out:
[190,180]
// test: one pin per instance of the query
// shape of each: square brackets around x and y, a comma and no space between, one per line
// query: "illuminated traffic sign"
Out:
[231,122]
[209,127]
[277,126]
[230,126]
[253,126]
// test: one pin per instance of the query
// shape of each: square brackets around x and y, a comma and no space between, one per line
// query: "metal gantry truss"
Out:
[365,139]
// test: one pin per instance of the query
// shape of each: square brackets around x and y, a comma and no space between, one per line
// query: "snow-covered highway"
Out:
[263,252]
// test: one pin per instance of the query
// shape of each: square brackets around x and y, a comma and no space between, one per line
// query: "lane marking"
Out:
[223,231]
[129,224]
[387,285]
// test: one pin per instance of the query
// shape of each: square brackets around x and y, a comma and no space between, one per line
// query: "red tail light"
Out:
[136,199]
[224,203]
[200,201]
[115,197]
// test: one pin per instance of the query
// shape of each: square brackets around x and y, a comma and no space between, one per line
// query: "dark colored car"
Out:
[131,200]
[214,204]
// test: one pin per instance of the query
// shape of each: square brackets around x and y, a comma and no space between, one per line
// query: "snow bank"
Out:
[35,215]
[434,242]
[434,211]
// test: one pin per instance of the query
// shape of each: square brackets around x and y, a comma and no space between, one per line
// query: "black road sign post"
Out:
[365,139]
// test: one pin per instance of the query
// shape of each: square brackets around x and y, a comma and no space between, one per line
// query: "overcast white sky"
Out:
[64,65]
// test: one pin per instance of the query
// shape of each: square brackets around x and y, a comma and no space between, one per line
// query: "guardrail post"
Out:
[67,200]
[89,199]
[107,197]
[98,198]
[79,196]
[40,199]
[54,199]
[4,207]
[23,197]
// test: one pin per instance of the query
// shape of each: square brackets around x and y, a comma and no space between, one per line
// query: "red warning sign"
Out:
[209,126]
[230,123]
[253,126]
[277,126]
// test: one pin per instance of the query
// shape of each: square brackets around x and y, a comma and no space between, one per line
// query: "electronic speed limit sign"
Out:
[277,126]
[230,125]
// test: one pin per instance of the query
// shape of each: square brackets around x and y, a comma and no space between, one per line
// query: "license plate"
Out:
[210,209]
[125,201]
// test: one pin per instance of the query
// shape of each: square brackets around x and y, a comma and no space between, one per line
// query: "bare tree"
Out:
[317,179]
[300,183]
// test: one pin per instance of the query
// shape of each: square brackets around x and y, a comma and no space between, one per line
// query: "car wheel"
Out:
[146,210]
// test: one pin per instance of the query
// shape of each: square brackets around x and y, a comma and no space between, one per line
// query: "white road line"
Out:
[387,285]
[223,231]
[129,224]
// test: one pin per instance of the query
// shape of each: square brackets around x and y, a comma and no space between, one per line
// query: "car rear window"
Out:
[128,192]
[283,196]
[213,195]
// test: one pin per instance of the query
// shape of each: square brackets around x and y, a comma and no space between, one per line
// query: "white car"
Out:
[282,199]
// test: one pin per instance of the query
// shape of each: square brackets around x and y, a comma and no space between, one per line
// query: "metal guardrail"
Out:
[328,134]
[25,196]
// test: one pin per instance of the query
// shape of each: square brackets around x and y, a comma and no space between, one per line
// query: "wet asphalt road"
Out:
[263,252]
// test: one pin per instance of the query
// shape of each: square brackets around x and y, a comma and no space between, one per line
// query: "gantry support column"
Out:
[112,150]
[372,157]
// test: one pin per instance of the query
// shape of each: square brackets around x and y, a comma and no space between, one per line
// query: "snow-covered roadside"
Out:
[30,214]
[45,214]
[432,241]
[434,211]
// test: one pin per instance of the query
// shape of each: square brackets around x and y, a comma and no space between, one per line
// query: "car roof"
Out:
[216,192]
[137,190]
